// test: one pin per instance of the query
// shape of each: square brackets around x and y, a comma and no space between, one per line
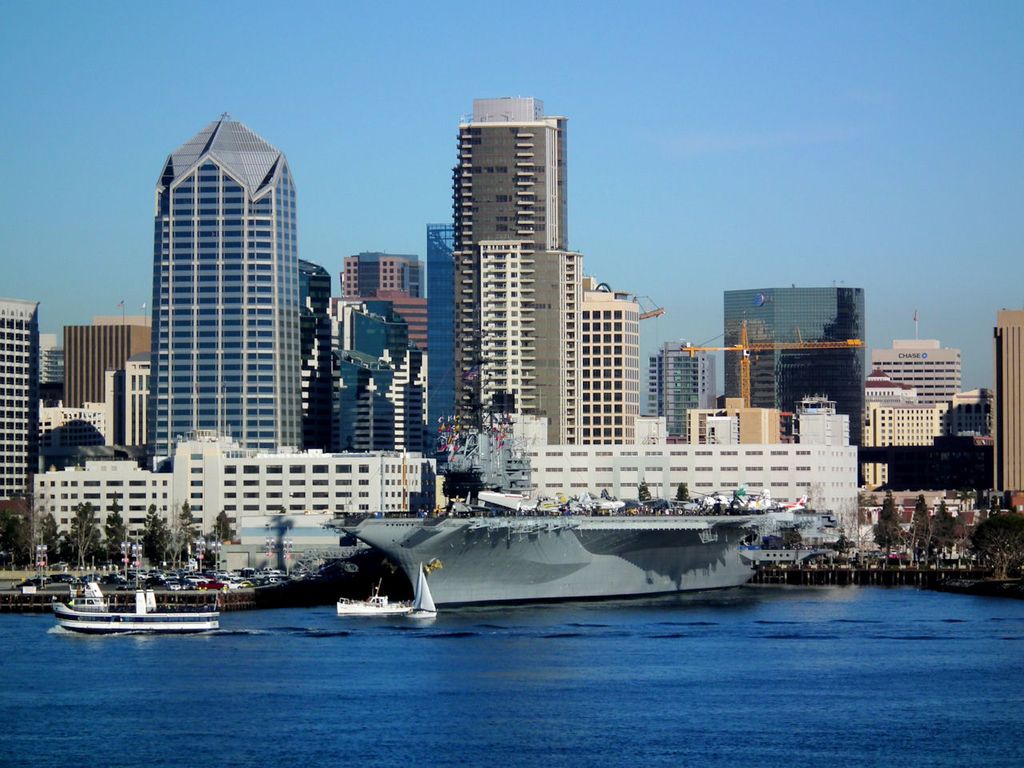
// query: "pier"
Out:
[39,602]
[909,576]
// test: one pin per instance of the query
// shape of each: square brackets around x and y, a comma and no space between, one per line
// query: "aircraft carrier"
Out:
[516,559]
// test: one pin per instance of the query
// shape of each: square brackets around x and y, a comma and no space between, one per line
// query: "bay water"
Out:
[757,676]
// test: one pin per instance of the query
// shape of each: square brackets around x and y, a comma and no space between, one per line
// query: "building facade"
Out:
[825,473]
[92,350]
[369,272]
[733,424]
[610,368]
[510,209]
[781,378]
[51,359]
[1009,402]
[126,402]
[678,382]
[226,351]
[19,408]
[381,380]
[316,345]
[440,322]
[924,364]
[217,475]
[970,413]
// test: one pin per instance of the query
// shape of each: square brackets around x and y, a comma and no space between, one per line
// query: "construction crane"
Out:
[745,348]
[648,308]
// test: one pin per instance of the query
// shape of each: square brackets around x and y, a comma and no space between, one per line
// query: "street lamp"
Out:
[200,551]
[136,561]
[126,548]
[215,547]
[287,554]
[41,562]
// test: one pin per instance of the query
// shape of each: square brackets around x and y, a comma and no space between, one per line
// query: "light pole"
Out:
[126,548]
[136,561]
[41,563]
[200,551]
[215,547]
[287,554]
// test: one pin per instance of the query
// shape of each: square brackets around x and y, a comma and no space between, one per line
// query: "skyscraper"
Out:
[317,347]
[610,369]
[1009,416]
[92,350]
[440,323]
[225,293]
[782,378]
[19,408]
[677,383]
[518,288]
[393,278]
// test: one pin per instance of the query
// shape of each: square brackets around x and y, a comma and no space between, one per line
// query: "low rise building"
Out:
[733,424]
[213,474]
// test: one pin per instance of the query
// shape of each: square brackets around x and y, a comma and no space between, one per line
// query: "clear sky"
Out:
[712,146]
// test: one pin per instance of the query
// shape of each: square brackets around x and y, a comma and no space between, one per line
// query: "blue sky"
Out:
[712,146]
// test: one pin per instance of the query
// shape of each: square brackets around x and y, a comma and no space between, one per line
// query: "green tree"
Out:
[114,531]
[222,530]
[888,531]
[85,533]
[967,497]
[921,528]
[943,530]
[182,533]
[49,535]
[12,535]
[1000,541]
[154,536]
[682,493]
[643,493]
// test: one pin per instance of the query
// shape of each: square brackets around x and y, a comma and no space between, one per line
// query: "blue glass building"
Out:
[225,349]
[440,323]
[316,349]
[781,378]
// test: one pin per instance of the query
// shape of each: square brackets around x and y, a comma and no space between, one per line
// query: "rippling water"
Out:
[760,676]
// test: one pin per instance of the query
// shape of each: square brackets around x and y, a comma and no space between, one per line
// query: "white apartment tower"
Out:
[19,408]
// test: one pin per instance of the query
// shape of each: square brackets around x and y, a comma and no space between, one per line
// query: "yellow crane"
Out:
[745,348]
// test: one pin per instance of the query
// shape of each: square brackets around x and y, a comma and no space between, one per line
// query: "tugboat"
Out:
[91,613]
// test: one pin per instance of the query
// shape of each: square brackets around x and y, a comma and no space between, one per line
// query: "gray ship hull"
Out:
[530,559]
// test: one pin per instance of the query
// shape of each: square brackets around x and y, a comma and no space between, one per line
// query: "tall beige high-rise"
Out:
[1009,415]
[517,286]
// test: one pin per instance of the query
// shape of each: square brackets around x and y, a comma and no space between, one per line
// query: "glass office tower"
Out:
[225,293]
[782,378]
[440,323]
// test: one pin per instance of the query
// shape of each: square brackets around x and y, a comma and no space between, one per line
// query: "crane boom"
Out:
[745,348]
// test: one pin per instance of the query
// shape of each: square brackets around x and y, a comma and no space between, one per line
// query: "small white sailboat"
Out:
[422,602]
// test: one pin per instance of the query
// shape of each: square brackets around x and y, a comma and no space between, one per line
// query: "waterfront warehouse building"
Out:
[925,365]
[781,378]
[440,324]
[19,407]
[225,293]
[1009,411]
[517,288]
[825,473]
[214,474]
